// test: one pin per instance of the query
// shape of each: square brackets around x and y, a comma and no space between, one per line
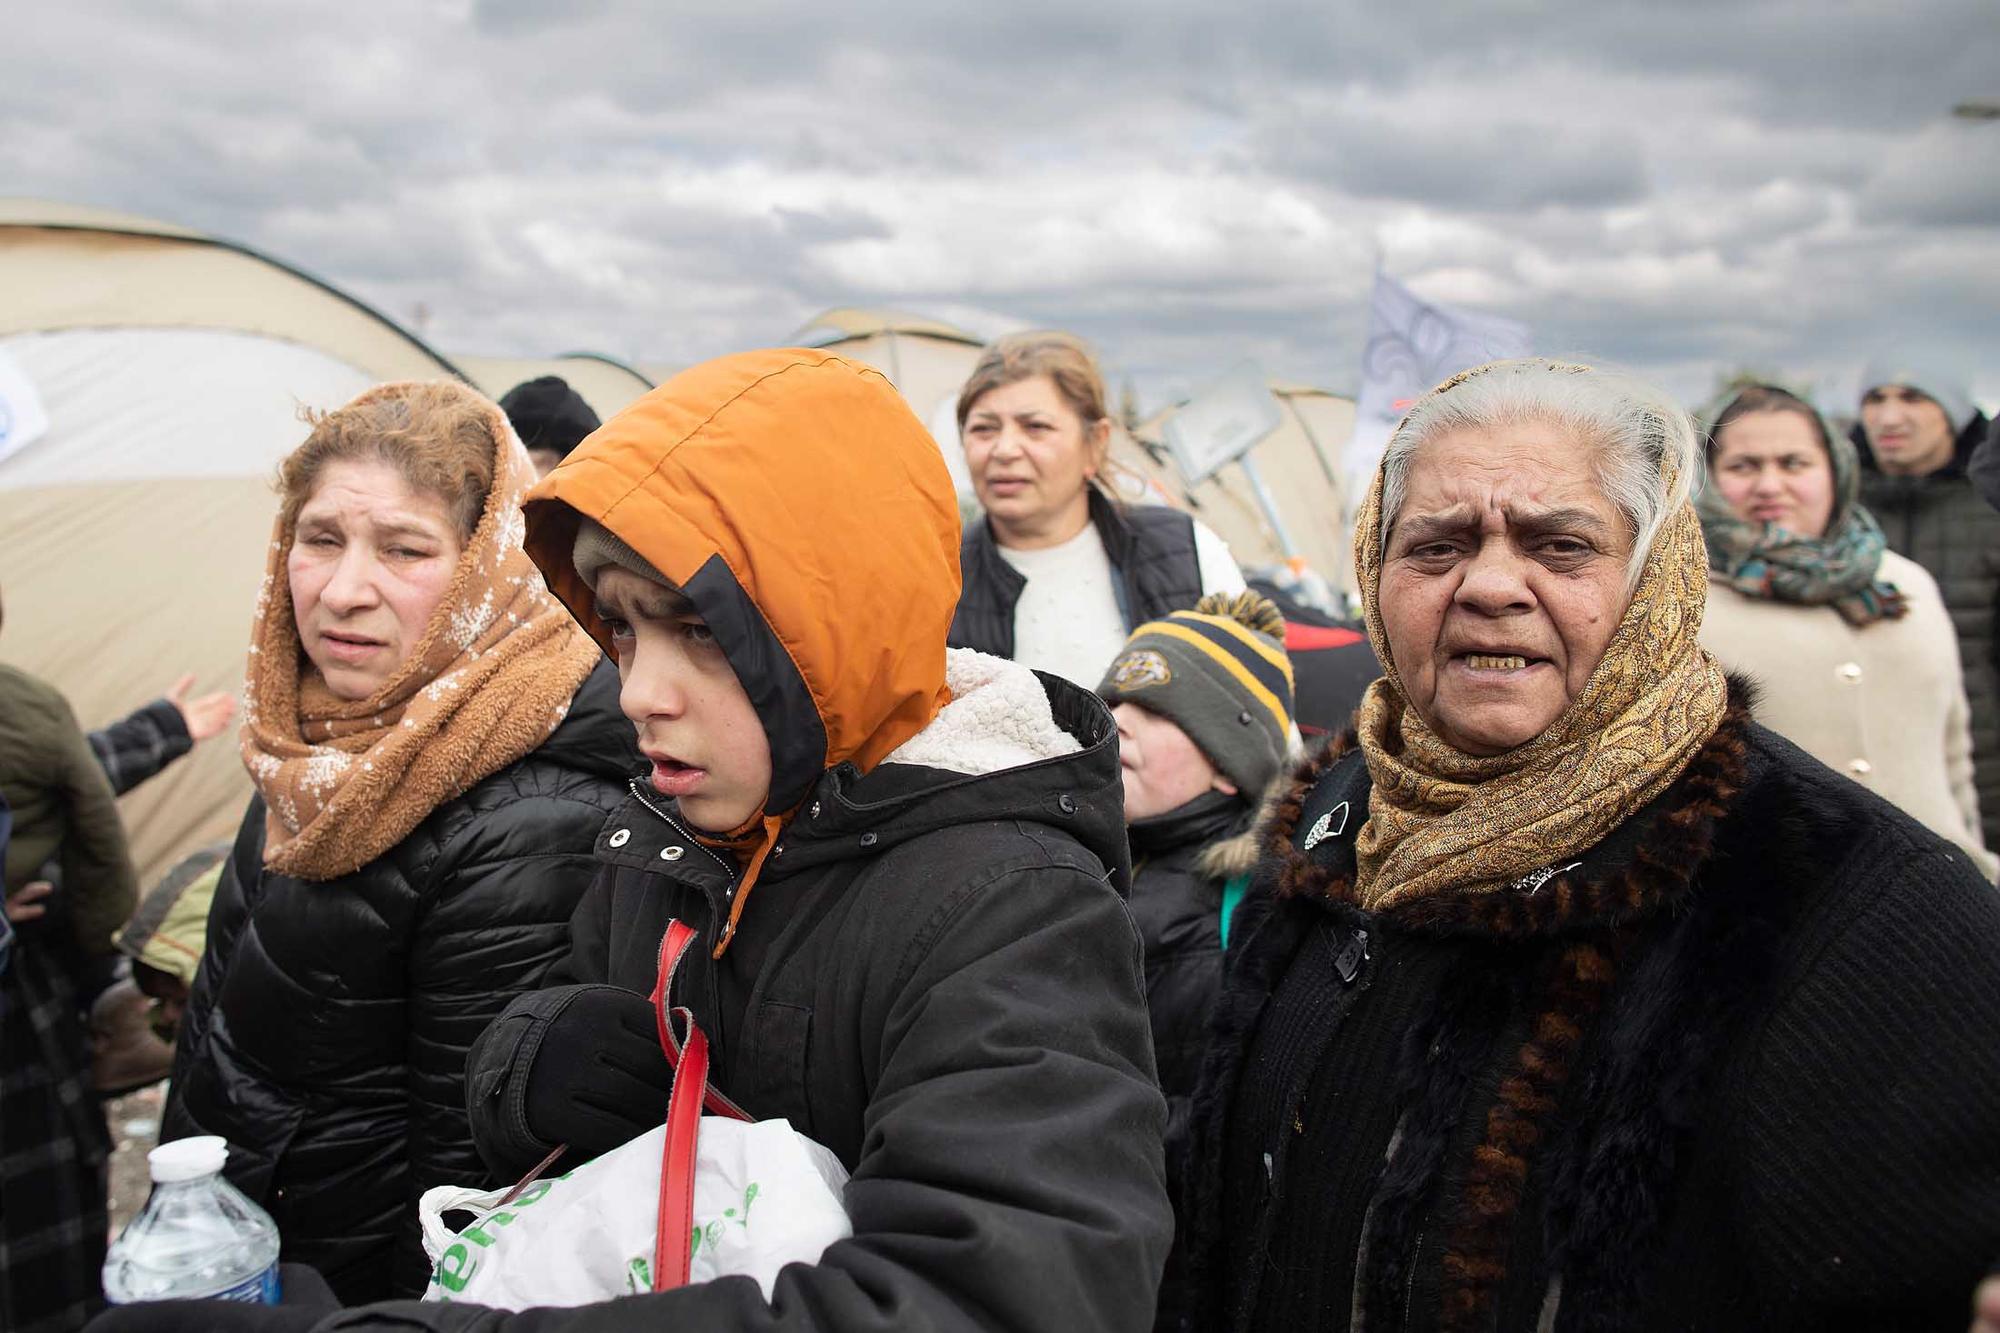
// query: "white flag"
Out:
[23,420]
[1412,346]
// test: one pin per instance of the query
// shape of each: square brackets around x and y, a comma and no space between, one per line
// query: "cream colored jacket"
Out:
[1884,704]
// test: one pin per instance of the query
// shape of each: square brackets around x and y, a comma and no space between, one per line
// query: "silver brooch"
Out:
[1324,827]
[1532,882]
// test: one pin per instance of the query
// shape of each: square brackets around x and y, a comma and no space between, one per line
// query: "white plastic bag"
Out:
[764,1196]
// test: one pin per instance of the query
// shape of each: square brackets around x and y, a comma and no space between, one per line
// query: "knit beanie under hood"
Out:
[598,546]
[1219,673]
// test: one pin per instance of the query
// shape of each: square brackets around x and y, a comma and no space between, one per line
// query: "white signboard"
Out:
[23,420]
[1222,422]
[1414,345]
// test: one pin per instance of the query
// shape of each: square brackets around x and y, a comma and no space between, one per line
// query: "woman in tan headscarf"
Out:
[434,744]
[1567,996]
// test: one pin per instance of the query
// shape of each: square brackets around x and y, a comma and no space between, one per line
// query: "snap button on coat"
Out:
[672,853]
[621,837]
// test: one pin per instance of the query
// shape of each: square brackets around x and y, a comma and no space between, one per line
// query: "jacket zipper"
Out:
[719,1054]
[677,827]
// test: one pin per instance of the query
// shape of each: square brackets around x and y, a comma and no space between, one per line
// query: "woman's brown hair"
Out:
[1754,398]
[1064,358]
[439,434]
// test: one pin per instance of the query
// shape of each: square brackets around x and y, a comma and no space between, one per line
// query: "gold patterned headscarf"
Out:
[1442,820]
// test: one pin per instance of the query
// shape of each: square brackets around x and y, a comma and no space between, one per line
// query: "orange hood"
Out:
[807,514]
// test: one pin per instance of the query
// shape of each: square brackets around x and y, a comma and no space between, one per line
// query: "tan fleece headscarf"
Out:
[492,677]
[1443,820]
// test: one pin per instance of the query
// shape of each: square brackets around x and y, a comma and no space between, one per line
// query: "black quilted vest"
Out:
[1153,564]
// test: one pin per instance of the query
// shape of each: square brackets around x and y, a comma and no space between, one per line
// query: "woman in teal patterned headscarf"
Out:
[1850,642]
[1762,514]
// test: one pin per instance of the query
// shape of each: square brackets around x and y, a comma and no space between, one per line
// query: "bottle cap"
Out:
[188,1159]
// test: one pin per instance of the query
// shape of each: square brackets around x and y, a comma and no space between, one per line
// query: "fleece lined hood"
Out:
[798,503]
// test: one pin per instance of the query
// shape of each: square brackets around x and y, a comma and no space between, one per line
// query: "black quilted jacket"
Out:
[327,1033]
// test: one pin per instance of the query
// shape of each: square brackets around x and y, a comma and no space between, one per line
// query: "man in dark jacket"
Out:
[1917,433]
[905,868]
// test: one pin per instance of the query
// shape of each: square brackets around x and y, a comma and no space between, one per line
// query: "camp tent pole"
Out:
[895,360]
[1267,504]
[1324,464]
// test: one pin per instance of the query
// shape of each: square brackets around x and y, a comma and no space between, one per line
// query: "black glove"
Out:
[599,1078]
[305,1297]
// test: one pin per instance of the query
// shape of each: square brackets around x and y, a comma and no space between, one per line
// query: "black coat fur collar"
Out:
[1632,1089]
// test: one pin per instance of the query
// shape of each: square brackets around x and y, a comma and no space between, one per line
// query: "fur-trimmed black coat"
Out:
[1734,1068]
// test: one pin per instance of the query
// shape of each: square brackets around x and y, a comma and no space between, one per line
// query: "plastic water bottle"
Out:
[197,1238]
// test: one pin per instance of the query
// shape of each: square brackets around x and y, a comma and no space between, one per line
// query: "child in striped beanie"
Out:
[1203,700]
[1219,675]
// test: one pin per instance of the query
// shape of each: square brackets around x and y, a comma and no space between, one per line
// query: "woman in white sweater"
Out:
[1849,642]
[1059,572]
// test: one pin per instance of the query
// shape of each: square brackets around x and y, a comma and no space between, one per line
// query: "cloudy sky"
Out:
[1684,188]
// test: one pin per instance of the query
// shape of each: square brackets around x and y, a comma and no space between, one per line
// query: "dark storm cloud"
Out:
[1684,188]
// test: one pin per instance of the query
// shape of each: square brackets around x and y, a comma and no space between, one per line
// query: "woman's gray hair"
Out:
[1648,453]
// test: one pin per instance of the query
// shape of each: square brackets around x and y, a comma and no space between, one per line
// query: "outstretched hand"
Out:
[25,903]
[206,716]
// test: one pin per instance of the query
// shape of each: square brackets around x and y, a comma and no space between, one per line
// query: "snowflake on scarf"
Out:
[443,685]
[471,622]
[512,534]
[323,770]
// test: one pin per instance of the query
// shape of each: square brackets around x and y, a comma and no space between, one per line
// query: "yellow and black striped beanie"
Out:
[1220,673]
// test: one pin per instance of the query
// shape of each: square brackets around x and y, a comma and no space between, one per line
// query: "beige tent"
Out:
[1299,464]
[150,380]
[604,383]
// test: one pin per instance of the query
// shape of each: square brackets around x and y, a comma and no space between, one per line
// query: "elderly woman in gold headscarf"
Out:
[1567,996]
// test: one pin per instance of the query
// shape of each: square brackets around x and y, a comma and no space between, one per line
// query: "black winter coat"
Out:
[936,977]
[328,1027]
[1177,905]
[1155,569]
[1732,1069]
[1941,521]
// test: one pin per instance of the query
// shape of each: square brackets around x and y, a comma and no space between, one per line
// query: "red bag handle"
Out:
[673,1237]
[674,946]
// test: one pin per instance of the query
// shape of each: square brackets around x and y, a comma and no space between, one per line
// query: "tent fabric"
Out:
[173,370]
[851,322]
[63,268]
[607,385]
[1297,469]
[165,403]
